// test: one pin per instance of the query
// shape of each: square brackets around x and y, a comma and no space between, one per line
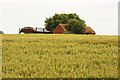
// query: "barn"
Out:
[34,30]
[89,30]
[60,29]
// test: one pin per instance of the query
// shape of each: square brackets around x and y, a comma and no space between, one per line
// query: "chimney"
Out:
[43,29]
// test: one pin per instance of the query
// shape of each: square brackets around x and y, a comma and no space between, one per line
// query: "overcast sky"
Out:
[100,15]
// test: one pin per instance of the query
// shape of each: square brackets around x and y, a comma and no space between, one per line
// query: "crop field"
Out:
[59,56]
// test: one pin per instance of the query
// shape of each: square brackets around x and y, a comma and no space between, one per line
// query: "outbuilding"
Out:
[61,28]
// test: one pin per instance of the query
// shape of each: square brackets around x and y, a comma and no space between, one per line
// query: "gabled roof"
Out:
[63,26]
[88,29]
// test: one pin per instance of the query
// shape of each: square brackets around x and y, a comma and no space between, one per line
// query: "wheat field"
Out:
[59,56]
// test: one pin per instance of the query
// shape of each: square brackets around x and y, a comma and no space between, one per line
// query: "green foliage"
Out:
[49,24]
[1,32]
[76,26]
[90,32]
[52,22]
[59,56]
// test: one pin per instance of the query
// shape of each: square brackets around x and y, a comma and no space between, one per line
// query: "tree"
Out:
[1,32]
[52,22]
[76,26]
[49,23]
[90,32]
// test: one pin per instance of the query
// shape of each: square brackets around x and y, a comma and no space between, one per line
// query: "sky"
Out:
[100,15]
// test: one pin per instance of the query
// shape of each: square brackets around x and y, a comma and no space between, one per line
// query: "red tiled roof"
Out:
[89,29]
[63,26]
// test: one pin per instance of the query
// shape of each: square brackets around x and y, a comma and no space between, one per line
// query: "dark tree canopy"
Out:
[52,22]
[1,32]
[76,26]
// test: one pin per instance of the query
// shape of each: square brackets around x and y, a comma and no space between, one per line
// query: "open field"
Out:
[55,56]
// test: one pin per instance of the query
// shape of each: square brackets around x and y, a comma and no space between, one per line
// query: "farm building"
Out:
[89,30]
[60,29]
[34,30]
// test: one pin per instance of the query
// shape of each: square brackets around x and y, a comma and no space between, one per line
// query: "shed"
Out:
[61,28]
[89,30]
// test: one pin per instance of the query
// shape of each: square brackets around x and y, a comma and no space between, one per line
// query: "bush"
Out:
[90,32]
[76,26]
[1,32]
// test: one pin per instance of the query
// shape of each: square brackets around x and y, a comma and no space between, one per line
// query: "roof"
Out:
[89,29]
[28,27]
[63,26]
